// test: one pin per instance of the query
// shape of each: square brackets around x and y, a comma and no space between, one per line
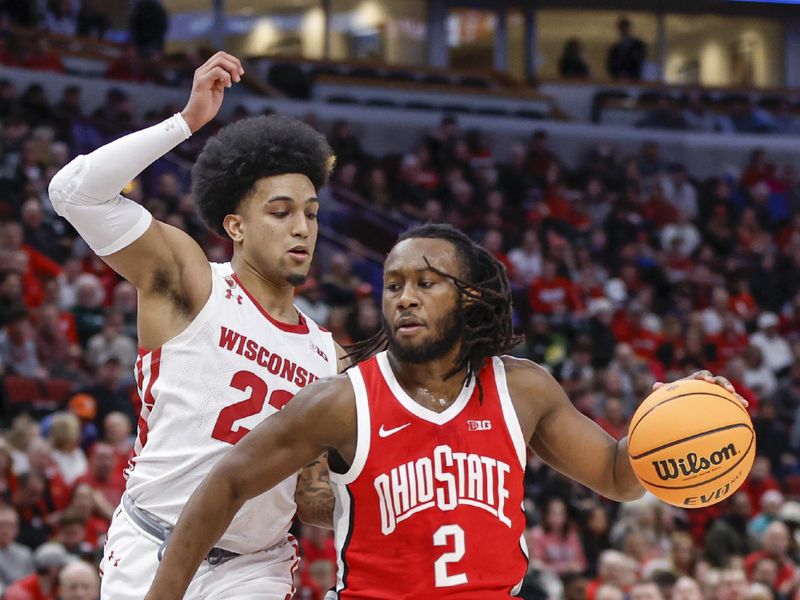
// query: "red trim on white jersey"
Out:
[148,367]
[300,328]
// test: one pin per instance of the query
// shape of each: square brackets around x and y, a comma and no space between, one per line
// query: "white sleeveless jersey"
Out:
[204,389]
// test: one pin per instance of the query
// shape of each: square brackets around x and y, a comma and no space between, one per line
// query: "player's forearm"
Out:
[625,484]
[202,522]
[314,496]
[100,175]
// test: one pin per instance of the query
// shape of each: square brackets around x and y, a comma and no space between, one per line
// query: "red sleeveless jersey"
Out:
[432,505]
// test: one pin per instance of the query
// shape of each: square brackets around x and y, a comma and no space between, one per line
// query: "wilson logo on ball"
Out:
[692,464]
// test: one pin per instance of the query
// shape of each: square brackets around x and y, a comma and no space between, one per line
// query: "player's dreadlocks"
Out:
[485,304]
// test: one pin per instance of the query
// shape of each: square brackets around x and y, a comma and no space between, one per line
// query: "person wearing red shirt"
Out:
[731,341]
[628,327]
[34,266]
[775,545]
[759,481]
[552,292]
[613,420]
[49,559]
[40,458]
[104,473]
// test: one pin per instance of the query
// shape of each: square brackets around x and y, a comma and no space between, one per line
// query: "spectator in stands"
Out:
[93,21]
[771,503]
[16,560]
[680,191]
[555,544]
[39,233]
[65,435]
[38,56]
[49,559]
[626,57]
[18,352]
[345,145]
[727,535]
[571,63]
[117,434]
[594,536]
[130,66]
[309,301]
[111,392]
[149,24]
[79,581]
[88,312]
[776,545]
[61,17]
[112,342]
[775,349]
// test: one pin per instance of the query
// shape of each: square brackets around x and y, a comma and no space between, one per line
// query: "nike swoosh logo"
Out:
[387,432]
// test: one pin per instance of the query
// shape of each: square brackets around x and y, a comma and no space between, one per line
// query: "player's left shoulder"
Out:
[525,374]
[532,389]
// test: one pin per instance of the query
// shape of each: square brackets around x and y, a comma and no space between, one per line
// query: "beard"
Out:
[452,328]
[296,279]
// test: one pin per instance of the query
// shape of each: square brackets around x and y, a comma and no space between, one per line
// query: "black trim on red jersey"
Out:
[346,567]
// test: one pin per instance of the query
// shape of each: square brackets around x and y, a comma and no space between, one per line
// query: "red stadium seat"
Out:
[22,390]
[58,390]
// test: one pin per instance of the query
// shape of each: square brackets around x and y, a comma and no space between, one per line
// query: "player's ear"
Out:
[234,225]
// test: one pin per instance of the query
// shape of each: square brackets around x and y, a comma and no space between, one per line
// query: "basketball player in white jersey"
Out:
[222,345]
[427,440]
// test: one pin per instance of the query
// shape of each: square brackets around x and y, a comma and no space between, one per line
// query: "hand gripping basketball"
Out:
[691,442]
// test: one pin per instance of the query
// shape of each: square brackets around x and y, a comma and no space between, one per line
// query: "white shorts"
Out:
[130,561]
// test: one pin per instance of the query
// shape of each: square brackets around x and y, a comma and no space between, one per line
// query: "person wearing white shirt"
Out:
[684,231]
[680,191]
[527,259]
[776,350]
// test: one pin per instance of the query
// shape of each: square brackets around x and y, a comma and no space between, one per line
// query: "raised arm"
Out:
[567,440]
[321,416]
[155,257]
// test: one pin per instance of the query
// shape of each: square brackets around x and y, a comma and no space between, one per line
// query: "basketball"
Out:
[691,443]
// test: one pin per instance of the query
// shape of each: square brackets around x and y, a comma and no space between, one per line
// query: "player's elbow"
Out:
[627,493]
[65,183]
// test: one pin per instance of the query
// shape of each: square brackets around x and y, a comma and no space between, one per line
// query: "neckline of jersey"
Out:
[300,328]
[414,407]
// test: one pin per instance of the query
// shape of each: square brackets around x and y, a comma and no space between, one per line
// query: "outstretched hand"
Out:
[711,378]
[208,88]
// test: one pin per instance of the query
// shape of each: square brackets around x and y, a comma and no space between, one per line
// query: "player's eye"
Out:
[392,287]
[311,216]
[281,214]
[425,284]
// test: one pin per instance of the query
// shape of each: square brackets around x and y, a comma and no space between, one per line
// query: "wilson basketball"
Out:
[691,443]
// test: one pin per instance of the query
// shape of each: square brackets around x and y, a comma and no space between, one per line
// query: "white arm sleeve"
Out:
[86,191]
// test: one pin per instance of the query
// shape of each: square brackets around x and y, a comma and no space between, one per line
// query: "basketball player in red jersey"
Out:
[223,347]
[427,441]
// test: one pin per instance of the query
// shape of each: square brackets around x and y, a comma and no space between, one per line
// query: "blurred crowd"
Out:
[626,270]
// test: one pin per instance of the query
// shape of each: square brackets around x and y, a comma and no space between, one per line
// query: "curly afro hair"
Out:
[248,150]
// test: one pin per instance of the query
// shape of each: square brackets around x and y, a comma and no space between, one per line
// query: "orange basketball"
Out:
[691,443]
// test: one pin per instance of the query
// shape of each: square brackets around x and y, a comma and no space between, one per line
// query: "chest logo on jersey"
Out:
[473,425]
[444,481]
[273,362]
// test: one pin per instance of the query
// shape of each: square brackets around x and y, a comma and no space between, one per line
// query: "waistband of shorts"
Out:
[161,530]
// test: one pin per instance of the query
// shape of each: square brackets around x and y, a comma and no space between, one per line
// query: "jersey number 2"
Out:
[224,429]
[459,549]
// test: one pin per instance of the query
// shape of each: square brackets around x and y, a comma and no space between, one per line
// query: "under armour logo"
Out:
[229,296]
[318,351]
[113,558]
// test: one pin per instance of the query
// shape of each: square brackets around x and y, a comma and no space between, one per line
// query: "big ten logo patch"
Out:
[474,425]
